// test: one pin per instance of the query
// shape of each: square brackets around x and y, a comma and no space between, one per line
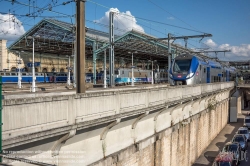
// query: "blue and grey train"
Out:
[12,77]
[189,69]
[49,77]
[124,76]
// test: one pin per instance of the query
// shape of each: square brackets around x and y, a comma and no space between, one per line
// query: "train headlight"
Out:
[190,75]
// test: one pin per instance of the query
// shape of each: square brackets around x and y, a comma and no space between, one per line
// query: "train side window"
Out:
[204,70]
[24,74]
[13,74]
[7,74]
[2,74]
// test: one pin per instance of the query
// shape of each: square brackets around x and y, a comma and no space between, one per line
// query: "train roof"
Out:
[214,64]
[208,62]
[211,63]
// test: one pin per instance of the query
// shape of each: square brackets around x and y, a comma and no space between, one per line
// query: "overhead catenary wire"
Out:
[138,18]
[47,9]
[150,21]
[19,23]
[171,14]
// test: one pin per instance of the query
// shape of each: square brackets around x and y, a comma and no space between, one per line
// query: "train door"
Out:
[200,75]
[204,74]
[44,77]
[208,75]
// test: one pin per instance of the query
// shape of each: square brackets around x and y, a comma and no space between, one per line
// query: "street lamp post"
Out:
[132,83]
[19,83]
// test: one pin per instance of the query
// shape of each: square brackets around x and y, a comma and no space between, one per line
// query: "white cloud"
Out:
[170,18]
[210,43]
[10,27]
[123,21]
[241,52]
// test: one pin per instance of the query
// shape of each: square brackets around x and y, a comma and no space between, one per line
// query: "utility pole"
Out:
[80,40]
[111,49]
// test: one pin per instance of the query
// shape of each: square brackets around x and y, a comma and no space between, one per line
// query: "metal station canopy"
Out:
[57,37]
[51,37]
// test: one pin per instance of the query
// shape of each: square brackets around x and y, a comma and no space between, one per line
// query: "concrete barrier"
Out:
[22,116]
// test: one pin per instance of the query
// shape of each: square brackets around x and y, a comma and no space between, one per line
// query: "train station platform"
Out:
[226,135]
[11,91]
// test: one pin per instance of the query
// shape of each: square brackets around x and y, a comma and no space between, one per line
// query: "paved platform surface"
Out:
[11,91]
[226,135]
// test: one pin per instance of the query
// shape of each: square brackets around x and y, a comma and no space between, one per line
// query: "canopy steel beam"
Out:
[170,37]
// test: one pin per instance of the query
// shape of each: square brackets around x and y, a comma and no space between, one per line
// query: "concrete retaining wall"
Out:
[177,145]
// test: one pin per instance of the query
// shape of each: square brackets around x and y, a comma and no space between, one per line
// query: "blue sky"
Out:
[227,20]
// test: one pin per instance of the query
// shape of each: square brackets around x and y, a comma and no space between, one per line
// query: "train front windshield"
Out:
[181,65]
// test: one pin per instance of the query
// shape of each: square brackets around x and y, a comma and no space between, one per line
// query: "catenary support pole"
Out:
[132,69]
[105,72]
[80,46]
[94,62]
[152,80]
[74,74]
[169,56]
[1,122]
[33,69]
[19,83]
[68,79]
[111,49]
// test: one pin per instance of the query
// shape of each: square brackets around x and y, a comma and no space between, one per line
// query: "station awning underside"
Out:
[57,37]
